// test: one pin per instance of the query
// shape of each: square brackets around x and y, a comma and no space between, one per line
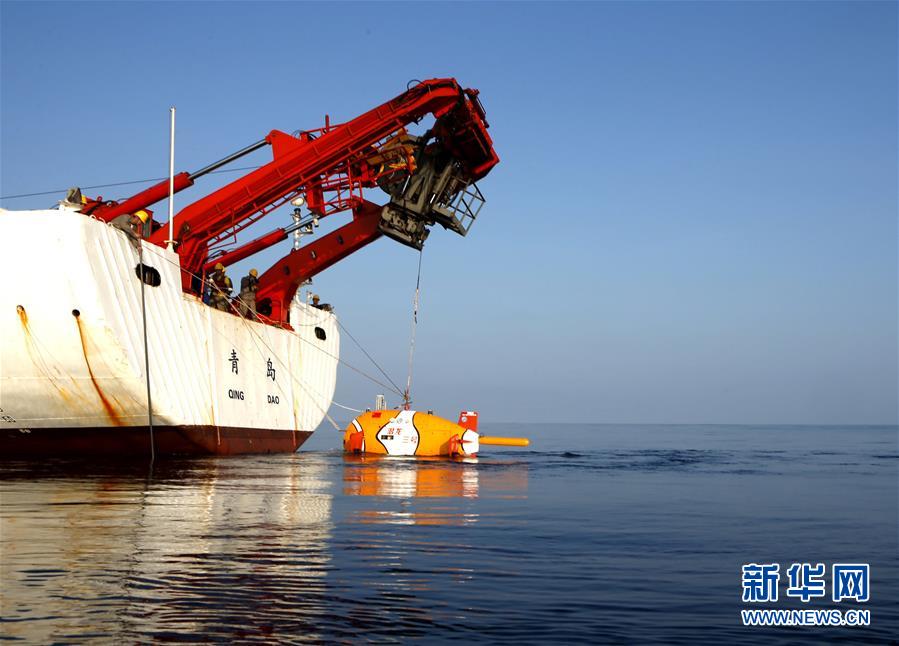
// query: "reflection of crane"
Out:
[429,178]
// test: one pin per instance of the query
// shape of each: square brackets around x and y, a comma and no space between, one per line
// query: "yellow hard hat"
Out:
[254,273]
[143,215]
[315,297]
[219,266]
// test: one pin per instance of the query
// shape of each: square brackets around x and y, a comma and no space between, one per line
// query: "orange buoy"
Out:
[408,432]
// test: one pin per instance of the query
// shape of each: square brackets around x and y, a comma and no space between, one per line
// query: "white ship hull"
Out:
[73,377]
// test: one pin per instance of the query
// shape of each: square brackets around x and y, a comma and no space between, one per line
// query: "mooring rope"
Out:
[307,387]
[359,345]
[143,311]
[354,410]
[306,341]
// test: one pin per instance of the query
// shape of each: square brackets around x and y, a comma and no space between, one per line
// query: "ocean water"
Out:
[595,534]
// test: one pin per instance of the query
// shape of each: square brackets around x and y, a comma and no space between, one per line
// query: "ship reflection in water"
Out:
[217,547]
[426,478]
[636,537]
[311,546]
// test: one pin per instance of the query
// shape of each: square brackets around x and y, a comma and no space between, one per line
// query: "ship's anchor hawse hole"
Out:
[150,275]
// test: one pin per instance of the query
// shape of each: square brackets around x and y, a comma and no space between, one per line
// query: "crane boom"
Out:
[429,178]
[279,283]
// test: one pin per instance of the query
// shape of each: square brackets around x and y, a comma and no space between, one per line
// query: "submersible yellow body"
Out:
[409,432]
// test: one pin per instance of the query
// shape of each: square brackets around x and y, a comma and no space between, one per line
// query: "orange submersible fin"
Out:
[408,432]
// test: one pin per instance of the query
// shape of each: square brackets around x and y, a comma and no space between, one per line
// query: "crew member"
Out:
[143,229]
[248,286]
[132,224]
[220,288]
[322,306]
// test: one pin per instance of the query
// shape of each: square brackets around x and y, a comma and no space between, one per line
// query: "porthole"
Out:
[149,275]
[320,334]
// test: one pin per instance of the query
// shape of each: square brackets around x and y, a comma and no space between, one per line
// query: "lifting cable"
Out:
[407,401]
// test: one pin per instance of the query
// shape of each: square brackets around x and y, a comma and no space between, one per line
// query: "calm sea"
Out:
[599,533]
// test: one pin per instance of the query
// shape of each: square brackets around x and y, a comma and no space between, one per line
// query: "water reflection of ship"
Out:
[423,479]
[196,543]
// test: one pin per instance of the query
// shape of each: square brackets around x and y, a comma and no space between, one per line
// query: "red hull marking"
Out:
[132,441]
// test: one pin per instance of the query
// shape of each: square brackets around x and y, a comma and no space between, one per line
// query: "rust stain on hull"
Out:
[35,354]
[107,406]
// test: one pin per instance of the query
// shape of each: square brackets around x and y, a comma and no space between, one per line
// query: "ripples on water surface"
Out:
[600,533]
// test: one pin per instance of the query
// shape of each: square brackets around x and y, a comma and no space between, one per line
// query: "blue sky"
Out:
[694,218]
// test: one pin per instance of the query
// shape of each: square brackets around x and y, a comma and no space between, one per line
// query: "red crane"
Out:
[430,179]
